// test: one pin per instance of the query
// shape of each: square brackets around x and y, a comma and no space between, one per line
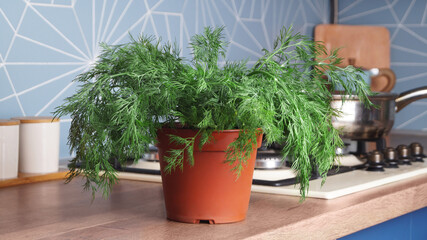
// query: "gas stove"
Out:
[354,171]
[354,178]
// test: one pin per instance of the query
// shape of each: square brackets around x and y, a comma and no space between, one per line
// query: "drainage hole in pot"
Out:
[206,221]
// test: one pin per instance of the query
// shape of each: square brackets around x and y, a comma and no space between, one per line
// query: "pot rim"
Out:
[377,96]
[193,129]
[181,127]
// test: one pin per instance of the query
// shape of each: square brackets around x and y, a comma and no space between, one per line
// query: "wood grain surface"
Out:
[368,46]
[25,178]
[135,210]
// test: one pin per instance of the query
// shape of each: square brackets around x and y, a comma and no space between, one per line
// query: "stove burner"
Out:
[343,150]
[293,181]
[417,152]
[268,160]
[404,154]
[390,156]
[375,161]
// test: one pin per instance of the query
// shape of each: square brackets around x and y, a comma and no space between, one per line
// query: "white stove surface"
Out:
[349,182]
[335,186]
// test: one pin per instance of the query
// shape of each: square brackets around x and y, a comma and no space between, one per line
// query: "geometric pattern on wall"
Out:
[407,22]
[44,44]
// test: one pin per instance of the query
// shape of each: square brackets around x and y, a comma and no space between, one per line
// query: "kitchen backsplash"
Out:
[44,44]
[407,22]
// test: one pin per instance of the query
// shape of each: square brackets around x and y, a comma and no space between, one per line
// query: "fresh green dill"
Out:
[135,89]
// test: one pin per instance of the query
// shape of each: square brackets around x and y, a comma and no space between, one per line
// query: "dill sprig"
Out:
[135,89]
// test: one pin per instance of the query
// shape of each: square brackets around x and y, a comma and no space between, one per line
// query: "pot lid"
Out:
[377,96]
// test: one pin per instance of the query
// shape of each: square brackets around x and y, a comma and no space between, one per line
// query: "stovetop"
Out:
[351,176]
[336,185]
[349,182]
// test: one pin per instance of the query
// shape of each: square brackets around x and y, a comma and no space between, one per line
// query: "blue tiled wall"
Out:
[407,23]
[44,44]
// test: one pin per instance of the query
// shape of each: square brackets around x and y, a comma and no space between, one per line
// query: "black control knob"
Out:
[404,154]
[375,161]
[417,152]
[390,156]
[400,147]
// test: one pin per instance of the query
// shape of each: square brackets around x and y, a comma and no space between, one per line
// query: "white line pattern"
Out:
[408,48]
[108,21]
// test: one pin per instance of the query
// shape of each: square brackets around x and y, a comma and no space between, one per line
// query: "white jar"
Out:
[9,148]
[38,144]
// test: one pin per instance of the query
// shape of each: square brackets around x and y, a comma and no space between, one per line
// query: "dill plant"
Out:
[135,89]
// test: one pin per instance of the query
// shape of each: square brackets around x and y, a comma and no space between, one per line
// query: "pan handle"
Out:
[410,96]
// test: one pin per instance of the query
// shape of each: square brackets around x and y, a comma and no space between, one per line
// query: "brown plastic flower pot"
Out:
[208,191]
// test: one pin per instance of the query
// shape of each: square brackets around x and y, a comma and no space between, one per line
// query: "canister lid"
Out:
[38,119]
[8,122]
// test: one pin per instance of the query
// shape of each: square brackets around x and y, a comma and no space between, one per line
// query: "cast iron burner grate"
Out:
[292,181]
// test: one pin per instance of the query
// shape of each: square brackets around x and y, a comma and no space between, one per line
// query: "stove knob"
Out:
[376,157]
[404,154]
[400,147]
[375,161]
[390,156]
[417,152]
[390,153]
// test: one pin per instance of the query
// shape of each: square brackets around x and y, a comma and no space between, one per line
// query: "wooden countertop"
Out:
[135,210]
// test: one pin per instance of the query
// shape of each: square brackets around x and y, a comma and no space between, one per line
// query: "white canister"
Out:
[38,144]
[9,148]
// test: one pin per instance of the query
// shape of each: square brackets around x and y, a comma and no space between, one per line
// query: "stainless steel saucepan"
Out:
[360,123]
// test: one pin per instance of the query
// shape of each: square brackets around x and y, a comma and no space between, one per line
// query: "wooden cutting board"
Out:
[369,46]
